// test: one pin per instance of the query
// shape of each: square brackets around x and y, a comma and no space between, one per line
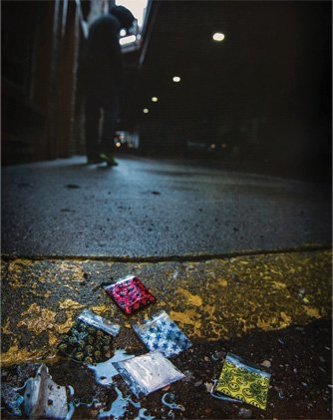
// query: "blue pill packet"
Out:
[160,333]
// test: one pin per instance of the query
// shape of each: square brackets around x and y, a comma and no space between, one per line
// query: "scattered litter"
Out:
[148,373]
[105,371]
[189,377]
[129,294]
[218,355]
[266,363]
[243,382]
[280,393]
[162,334]
[304,384]
[245,413]
[11,399]
[322,359]
[89,341]
[209,386]
[281,341]
[169,399]
[43,398]
[198,383]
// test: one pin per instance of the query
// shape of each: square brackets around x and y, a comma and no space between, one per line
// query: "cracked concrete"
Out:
[210,299]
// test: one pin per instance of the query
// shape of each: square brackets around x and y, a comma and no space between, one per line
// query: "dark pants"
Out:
[94,104]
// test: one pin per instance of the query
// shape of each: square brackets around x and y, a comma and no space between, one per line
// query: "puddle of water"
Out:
[104,374]
[118,407]
[143,416]
[71,409]
[169,400]
[70,390]
[105,371]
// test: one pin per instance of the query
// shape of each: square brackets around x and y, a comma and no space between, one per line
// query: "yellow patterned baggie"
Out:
[243,382]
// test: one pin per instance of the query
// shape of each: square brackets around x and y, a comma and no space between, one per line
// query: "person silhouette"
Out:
[102,79]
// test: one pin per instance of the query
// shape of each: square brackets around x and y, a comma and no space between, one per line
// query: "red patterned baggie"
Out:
[129,294]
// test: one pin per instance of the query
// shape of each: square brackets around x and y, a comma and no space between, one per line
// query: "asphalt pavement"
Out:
[273,310]
[240,261]
[147,208]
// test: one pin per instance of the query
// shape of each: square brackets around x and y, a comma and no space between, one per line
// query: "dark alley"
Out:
[166,209]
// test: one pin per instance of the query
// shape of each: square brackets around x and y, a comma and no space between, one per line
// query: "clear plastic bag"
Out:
[243,382]
[90,340]
[147,373]
[99,323]
[43,398]
[160,333]
[129,294]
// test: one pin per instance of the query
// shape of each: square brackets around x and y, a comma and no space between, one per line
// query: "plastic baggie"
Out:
[243,382]
[43,398]
[90,340]
[147,373]
[129,294]
[160,333]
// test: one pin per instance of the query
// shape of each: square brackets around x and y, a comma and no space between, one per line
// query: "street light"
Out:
[154,99]
[218,36]
[176,79]
[127,40]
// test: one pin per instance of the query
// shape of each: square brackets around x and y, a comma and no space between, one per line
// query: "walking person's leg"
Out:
[110,117]
[92,117]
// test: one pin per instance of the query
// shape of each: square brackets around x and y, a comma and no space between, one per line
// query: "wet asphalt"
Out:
[274,310]
[156,208]
[240,261]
